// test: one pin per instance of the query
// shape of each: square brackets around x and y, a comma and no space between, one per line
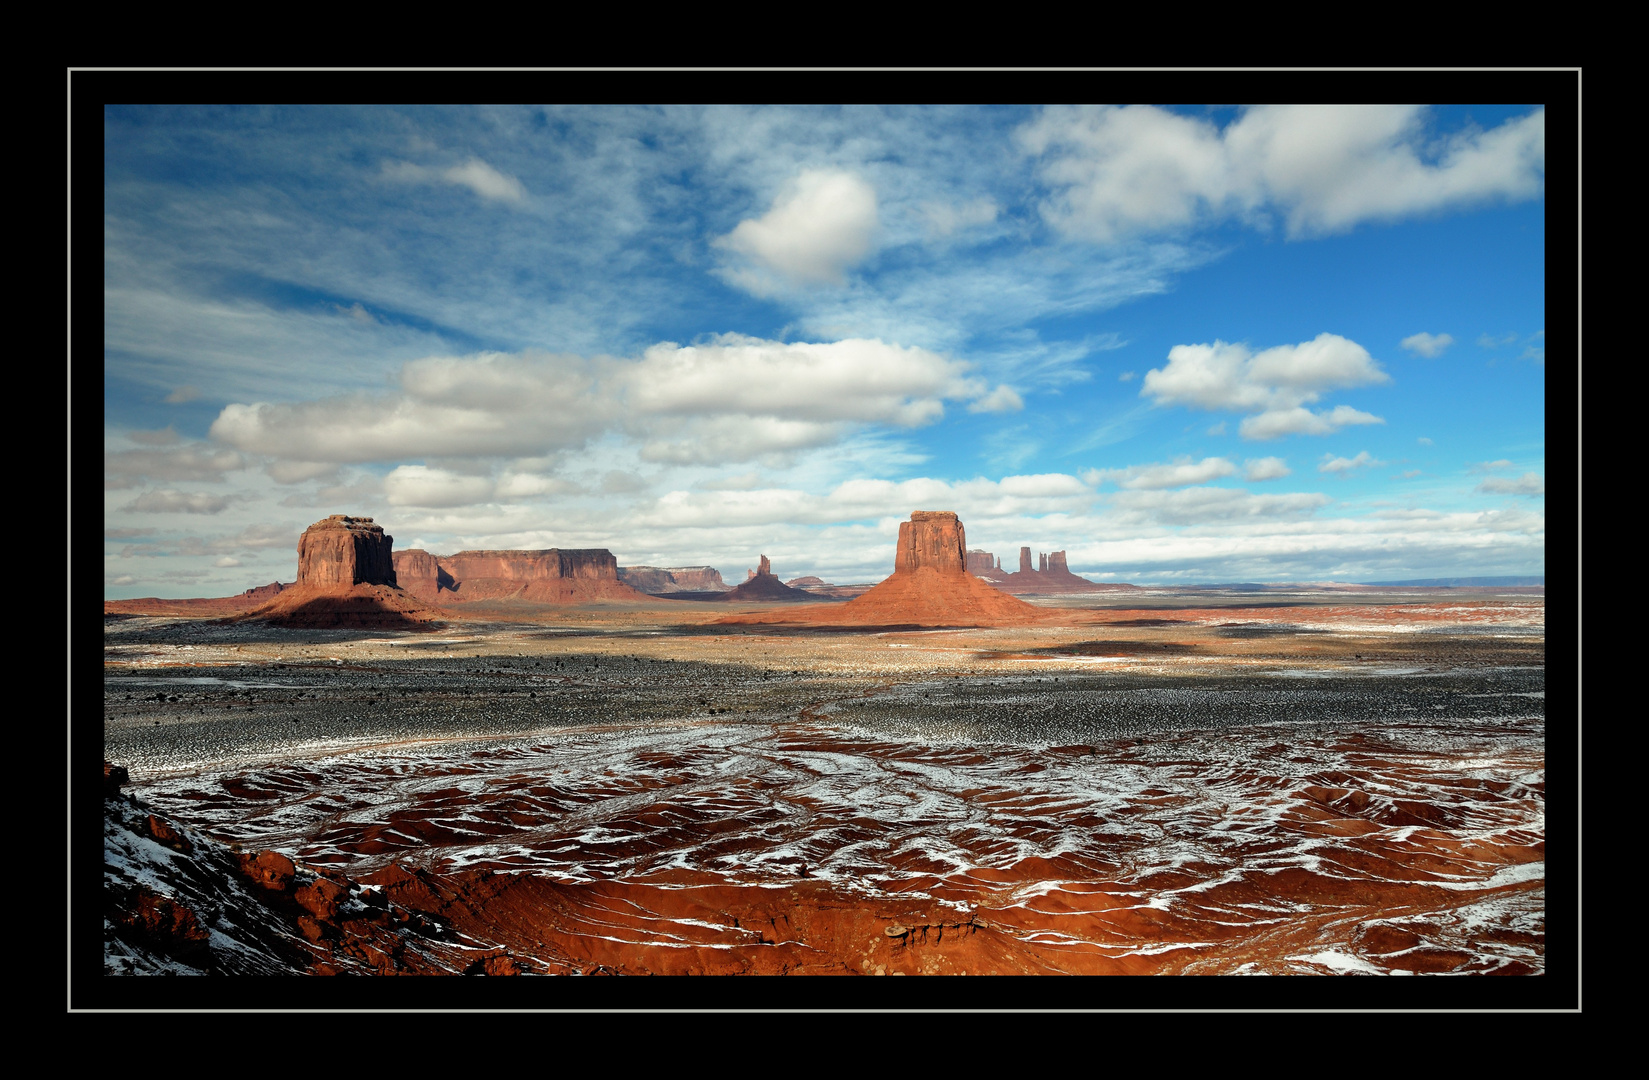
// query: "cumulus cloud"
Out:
[475,174]
[1427,345]
[1120,172]
[1276,423]
[1002,399]
[822,225]
[420,485]
[167,501]
[729,398]
[1182,472]
[1332,464]
[1266,468]
[1527,484]
[1275,384]
[490,404]
[854,380]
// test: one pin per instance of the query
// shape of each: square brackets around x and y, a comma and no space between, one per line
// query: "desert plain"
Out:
[1301,779]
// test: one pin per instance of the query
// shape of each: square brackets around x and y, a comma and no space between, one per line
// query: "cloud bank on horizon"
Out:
[1264,344]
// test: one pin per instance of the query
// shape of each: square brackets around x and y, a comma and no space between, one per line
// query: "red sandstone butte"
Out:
[547,576]
[346,580]
[343,551]
[930,586]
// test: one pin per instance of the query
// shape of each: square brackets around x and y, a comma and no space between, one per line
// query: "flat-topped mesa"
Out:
[663,580]
[343,551]
[932,540]
[547,575]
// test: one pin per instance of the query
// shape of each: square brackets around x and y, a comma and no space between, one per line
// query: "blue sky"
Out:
[1184,345]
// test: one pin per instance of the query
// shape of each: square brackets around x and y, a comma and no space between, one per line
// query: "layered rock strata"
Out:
[343,551]
[663,580]
[550,575]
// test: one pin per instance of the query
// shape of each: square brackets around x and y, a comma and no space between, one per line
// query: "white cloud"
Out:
[296,472]
[1423,441]
[1266,468]
[822,225]
[1489,466]
[420,485]
[491,404]
[1002,399]
[1128,376]
[1300,421]
[195,461]
[1200,505]
[1332,464]
[168,501]
[886,500]
[944,219]
[1118,172]
[1427,345]
[855,380]
[182,394]
[1183,472]
[227,560]
[1527,484]
[1276,383]
[475,174]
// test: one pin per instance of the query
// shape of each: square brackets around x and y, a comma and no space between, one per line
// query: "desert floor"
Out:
[1168,781]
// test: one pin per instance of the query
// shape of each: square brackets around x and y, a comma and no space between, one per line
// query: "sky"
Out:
[1183,345]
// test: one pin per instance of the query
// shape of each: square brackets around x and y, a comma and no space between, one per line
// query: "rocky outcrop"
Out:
[265,593]
[982,562]
[933,540]
[764,585]
[343,551]
[930,586]
[1051,576]
[663,580]
[548,575]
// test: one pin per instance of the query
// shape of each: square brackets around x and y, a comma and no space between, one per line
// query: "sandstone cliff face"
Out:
[934,540]
[549,575]
[663,580]
[343,551]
